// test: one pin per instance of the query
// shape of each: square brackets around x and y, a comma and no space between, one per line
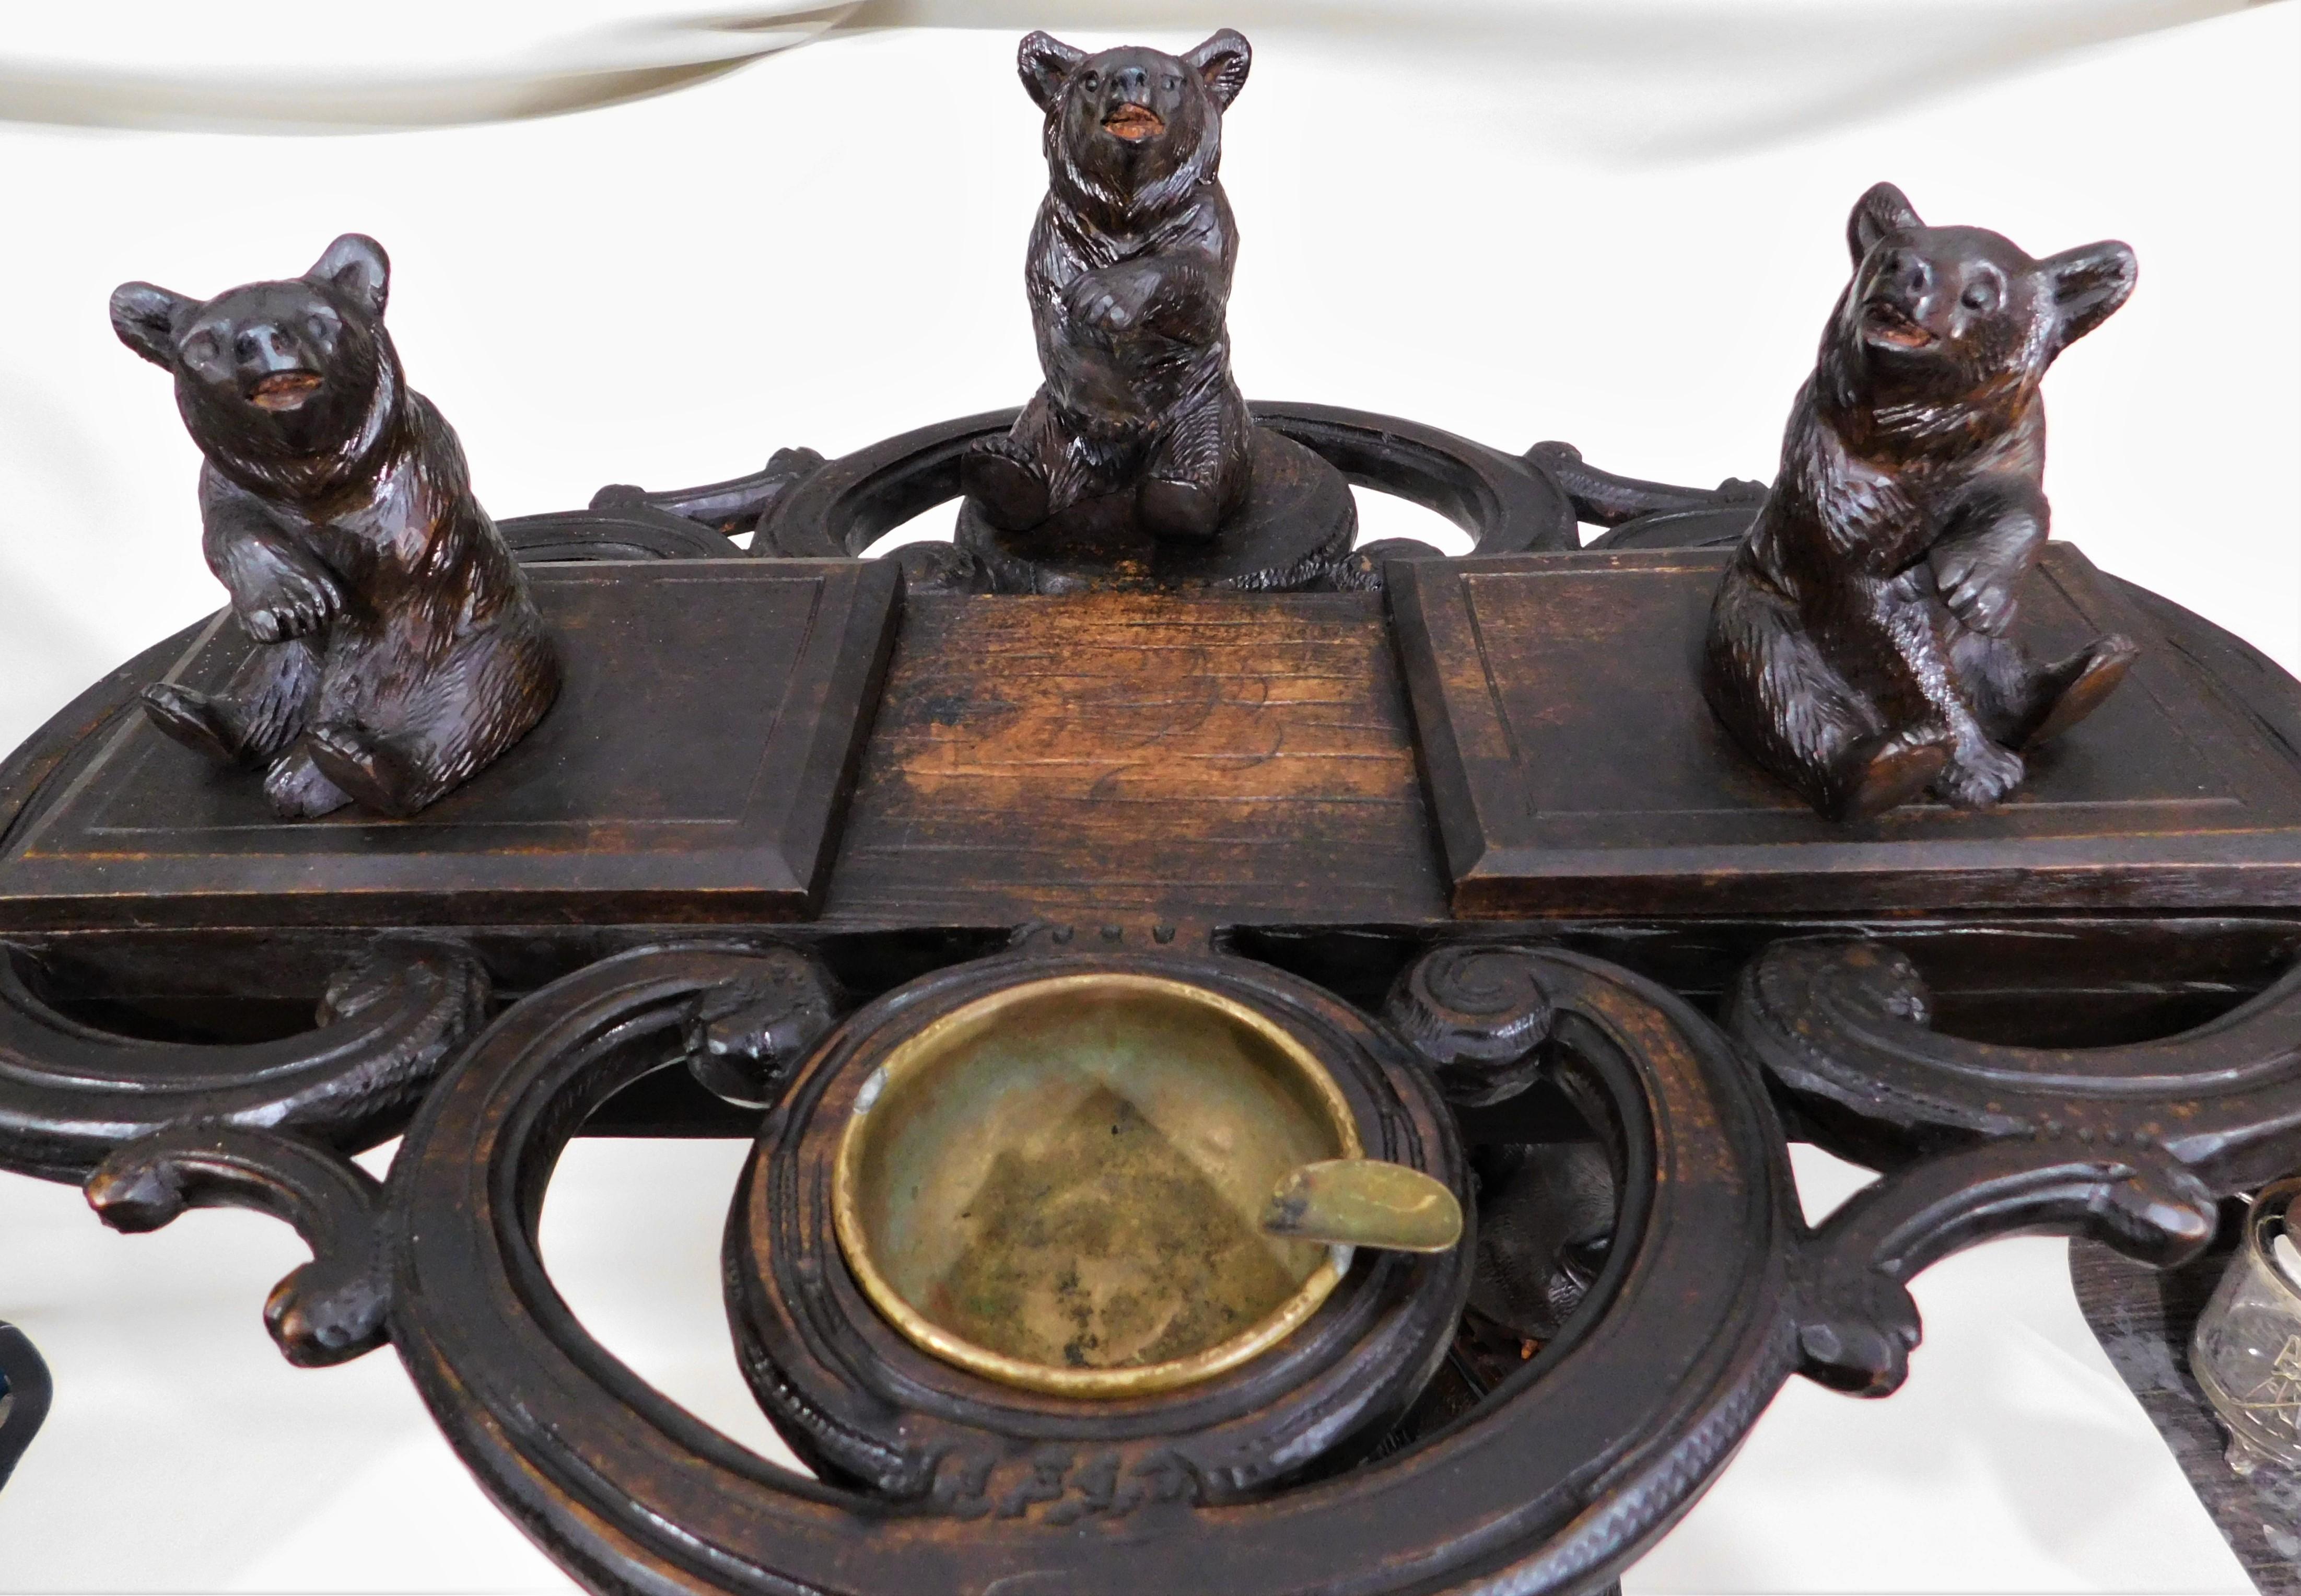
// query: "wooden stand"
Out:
[1469,813]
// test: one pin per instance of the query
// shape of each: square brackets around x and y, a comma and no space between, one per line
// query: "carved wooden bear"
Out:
[1129,277]
[1857,646]
[398,649]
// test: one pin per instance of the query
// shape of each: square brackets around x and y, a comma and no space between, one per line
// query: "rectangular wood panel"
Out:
[1218,757]
[1574,768]
[693,768]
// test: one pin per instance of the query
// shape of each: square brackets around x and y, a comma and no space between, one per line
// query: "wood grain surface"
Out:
[1574,769]
[1125,758]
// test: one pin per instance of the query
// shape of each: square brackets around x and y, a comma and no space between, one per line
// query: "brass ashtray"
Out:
[1110,1184]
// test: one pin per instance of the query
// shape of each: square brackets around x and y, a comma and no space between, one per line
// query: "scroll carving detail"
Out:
[327,1311]
[2130,1145]
[1478,1015]
[393,1016]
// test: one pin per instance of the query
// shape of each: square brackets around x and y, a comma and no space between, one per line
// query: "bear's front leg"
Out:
[1177,296]
[278,589]
[1978,565]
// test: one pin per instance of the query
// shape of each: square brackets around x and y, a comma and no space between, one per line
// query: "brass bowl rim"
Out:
[916,1052]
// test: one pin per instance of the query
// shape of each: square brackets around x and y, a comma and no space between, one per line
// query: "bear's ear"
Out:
[145,318]
[1885,209]
[1222,60]
[1046,63]
[2088,284]
[356,265]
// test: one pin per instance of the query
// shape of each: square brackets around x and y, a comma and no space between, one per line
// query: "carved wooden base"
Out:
[1294,530]
[1424,875]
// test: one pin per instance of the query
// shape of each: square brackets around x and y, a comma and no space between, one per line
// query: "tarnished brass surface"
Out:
[1061,1186]
[1364,1202]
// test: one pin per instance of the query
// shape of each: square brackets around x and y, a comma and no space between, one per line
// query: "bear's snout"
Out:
[1132,123]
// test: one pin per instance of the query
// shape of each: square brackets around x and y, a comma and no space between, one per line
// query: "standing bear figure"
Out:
[1857,646]
[398,650]
[1129,279]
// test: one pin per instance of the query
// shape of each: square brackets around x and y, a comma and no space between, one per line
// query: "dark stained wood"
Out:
[395,650]
[1857,645]
[716,709]
[1292,530]
[1139,757]
[1672,1355]
[861,1404]
[2143,1317]
[25,1393]
[1129,276]
[1574,768]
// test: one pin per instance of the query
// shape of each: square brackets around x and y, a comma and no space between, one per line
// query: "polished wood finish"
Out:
[1139,760]
[715,711]
[1227,781]
[1574,769]
[1857,646]
[395,648]
[1139,427]
[861,1404]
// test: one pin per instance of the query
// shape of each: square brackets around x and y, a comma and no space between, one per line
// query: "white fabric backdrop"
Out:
[1617,224]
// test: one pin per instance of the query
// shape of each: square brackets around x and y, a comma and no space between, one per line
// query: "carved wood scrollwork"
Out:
[1478,1015]
[2129,1145]
[1579,1462]
[327,1311]
[391,1017]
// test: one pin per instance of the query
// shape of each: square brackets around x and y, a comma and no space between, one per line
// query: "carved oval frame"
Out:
[1584,1456]
[1509,504]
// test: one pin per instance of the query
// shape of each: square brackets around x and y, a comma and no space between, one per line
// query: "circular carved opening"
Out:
[1060,1185]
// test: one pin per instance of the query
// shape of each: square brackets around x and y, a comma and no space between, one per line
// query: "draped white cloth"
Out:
[1620,224]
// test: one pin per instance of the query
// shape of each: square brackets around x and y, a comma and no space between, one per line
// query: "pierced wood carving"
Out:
[1153,722]
[2129,1145]
[327,1311]
[70,1094]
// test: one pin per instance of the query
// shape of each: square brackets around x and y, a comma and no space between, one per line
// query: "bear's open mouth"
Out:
[284,390]
[1887,323]
[1134,123]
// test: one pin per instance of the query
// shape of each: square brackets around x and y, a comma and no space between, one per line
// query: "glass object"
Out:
[2247,1351]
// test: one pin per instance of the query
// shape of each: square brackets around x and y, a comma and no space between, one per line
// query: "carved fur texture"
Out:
[1129,278]
[398,649]
[1858,646]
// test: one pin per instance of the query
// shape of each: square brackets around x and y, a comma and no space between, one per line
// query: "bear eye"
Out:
[1093,81]
[1173,84]
[1981,295]
[319,327]
[200,347]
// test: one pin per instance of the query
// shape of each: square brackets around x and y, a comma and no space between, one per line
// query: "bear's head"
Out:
[271,373]
[1948,313]
[1132,129]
